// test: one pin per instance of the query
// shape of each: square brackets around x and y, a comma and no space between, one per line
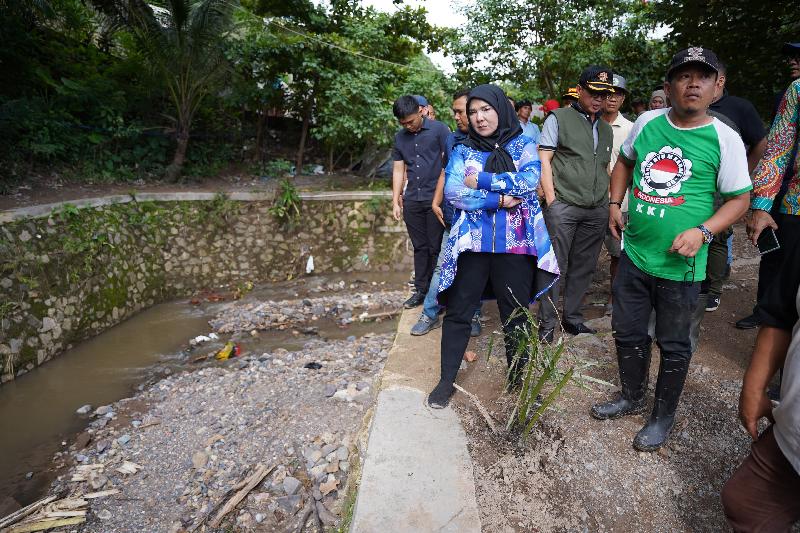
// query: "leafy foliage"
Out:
[747,36]
[541,54]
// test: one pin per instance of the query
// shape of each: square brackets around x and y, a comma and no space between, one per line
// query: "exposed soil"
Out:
[579,474]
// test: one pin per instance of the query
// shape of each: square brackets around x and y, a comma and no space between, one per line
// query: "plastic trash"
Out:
[229,350]
[310,264]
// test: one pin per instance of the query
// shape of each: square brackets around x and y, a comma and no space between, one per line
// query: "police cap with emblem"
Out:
[619,83]
[693,55]
[597,79]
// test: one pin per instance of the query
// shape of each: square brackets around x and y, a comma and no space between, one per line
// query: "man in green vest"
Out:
[575,149]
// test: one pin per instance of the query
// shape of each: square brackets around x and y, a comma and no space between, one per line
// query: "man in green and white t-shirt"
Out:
[674,161]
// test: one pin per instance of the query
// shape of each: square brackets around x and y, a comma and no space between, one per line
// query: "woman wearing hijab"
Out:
[658,100]
[498,240]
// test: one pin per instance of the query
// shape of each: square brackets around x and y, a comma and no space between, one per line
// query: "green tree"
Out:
[542,47]
[183,42]
[746,35]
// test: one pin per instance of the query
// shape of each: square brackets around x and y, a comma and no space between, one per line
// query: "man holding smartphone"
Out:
[674,161]
[780,160]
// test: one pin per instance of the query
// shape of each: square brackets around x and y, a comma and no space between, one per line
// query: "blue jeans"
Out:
[431,307]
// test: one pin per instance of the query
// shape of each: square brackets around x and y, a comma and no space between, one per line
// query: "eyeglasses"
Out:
[690,262]
[598,96]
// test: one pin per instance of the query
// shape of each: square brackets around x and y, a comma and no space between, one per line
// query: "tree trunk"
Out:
[330,159]
[304,132]
[261,126]
[176,167]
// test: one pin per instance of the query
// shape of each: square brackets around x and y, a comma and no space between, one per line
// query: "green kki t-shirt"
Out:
[676,173]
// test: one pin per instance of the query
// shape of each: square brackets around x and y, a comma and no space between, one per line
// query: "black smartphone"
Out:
[767,242]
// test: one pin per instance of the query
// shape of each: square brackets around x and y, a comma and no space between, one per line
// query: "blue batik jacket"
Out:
[478,224]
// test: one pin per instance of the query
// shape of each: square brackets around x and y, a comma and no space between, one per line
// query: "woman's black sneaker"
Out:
[440,395]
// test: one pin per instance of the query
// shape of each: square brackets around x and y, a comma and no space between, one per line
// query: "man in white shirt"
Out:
[524,108]
[763,494]
[621,128]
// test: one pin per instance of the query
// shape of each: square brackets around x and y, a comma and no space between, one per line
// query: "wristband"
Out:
[707,235]
[616,203]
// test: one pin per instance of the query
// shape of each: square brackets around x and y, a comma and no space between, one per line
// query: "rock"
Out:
[330,485]
[199,460]
[103,410]
[344,466]
[123,440]
[328,518]
[318,472]
[82,440]
[470,356]
[84,410]
[332,467]
[104,514]
[110,414]
[81,458]
[351,338]
[48,324]
[97,481]
[29,475]
[329,390]
[600,324]
[316,494]
[101,446]
[291,485]
[260,517]
[362,385]
[342,453]
[290,504]
[328,448]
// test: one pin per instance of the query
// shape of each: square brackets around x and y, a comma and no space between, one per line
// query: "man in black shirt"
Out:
[419,157]
[748,124]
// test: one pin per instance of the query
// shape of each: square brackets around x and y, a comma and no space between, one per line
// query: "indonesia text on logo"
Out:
[663,173]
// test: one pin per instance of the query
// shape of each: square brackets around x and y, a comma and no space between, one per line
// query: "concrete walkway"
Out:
[417,473]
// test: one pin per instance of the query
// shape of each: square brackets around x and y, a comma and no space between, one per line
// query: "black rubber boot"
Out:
[634,369]
[671,377]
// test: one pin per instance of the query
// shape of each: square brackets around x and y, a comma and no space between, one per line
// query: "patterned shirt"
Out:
[479,226]
[781,158]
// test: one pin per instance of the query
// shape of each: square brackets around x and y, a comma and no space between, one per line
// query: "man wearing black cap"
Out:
[524,109]
[674,161]
[575,149]
[419,157]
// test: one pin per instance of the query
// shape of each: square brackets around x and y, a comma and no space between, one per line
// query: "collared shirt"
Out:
[621,128]
[781,161]
[424,153]
[531,130]
[548,140]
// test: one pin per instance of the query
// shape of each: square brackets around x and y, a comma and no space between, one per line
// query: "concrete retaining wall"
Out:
[69,271]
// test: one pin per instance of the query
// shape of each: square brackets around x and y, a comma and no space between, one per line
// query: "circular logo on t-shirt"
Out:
[664,171]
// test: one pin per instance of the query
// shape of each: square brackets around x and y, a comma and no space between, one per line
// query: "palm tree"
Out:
[183,43]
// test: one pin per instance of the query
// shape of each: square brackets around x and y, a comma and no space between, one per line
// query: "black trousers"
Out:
[425,232]
[637,294]
[511,277]
[777,275]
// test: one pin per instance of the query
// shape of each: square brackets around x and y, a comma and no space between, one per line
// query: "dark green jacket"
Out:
[580,174]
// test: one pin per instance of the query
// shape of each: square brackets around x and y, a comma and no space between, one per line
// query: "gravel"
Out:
[199,433]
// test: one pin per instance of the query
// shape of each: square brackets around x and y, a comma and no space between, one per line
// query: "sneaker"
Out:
[748,322]
[475,326]
[425,325]
[712,303]
[415,301]
[547,335]
[440,396]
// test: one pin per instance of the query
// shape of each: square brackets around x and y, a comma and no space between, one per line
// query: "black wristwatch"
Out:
[707,235]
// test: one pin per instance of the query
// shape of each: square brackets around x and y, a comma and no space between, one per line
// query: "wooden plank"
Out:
[16,516]
[42,525]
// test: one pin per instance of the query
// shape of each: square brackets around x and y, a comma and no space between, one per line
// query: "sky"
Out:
[440,13]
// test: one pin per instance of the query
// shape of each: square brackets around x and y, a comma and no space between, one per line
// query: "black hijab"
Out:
[507,128]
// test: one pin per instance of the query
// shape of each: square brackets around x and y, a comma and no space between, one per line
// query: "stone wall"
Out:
[70,274]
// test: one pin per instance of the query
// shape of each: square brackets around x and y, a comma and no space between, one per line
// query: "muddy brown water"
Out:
[37,410]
